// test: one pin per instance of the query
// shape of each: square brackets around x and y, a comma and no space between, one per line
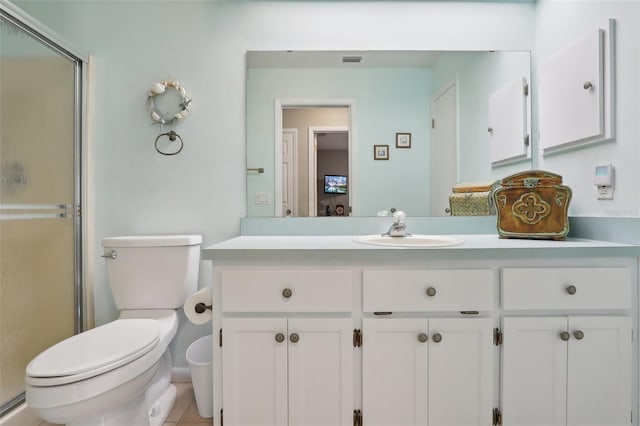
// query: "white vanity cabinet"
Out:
[324,331]
[422,370]
[571,363]
[294,368]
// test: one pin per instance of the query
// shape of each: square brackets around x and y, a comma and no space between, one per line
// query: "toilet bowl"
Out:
[119,373]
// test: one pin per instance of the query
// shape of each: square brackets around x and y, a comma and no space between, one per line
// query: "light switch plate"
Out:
[262,198]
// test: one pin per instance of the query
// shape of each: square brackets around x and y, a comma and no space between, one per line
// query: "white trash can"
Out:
[200,359]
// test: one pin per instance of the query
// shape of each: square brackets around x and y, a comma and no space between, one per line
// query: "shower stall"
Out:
[41,298]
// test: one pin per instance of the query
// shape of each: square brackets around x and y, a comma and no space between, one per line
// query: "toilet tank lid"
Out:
[152,241]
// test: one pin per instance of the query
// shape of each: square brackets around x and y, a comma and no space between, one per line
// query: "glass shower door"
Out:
[39,290]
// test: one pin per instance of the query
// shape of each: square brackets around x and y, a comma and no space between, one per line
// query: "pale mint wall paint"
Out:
[388,100]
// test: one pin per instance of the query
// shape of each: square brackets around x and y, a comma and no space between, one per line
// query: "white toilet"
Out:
[120,373]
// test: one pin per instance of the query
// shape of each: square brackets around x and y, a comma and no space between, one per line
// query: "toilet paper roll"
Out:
[200,296]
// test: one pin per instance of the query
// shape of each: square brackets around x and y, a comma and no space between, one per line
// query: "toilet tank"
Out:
[152,272]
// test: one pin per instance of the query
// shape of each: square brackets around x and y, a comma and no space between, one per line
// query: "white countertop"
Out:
[472,243]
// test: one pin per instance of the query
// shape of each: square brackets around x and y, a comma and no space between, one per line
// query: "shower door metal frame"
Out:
[41,33]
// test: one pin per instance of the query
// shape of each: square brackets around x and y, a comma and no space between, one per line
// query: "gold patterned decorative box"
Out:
[532,204]
[472,199]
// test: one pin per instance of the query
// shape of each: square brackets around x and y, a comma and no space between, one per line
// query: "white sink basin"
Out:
[417,241]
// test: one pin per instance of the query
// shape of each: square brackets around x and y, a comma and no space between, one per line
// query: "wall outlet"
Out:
[262,198]
[605,192]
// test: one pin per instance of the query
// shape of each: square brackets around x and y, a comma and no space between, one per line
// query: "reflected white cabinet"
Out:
[559,371]
[508,122]
[279,371]
[434,371]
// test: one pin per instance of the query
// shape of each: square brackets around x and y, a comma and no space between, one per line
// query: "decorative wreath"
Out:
[159,89]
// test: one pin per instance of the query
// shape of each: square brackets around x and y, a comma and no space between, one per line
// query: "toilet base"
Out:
[163,406]
[133,413]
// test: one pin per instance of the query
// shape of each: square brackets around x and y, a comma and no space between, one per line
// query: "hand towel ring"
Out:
[172,135]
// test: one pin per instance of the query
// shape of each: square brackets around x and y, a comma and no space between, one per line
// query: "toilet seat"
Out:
[94,352]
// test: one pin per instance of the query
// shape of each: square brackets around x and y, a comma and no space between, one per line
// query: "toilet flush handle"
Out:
[111,255]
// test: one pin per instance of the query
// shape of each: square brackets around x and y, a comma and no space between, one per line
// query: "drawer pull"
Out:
[431,291]
[279,337]
[422,337]
[286,293]
[571,289]
[294,337]
[565,335]
[578,334]
[437,337]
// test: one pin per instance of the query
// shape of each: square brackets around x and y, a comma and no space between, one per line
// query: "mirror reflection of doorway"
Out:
[315,142]
[331,177]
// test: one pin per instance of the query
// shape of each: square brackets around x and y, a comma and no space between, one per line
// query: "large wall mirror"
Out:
[357,133]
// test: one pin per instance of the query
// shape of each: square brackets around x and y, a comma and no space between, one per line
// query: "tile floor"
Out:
[184,413]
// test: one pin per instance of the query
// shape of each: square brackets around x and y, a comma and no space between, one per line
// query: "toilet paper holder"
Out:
[201,307]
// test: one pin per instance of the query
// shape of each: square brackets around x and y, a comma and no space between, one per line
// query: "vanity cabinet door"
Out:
[254,377]
[460,371]
[427,371]
[281,372]
[566,371]
[599,376]
[320,372]
[394,371]
[534,371]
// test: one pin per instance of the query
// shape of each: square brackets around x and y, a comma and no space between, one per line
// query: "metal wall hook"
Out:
[173,136]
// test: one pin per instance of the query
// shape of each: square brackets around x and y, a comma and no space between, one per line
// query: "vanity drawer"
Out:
[566,288]
[428,290]
[286,290]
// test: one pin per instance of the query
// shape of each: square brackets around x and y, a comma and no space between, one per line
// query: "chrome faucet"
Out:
[398,228]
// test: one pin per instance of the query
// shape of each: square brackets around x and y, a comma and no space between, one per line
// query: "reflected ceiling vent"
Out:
[353,59]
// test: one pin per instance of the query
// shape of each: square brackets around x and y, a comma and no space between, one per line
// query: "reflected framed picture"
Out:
[381,152]
[403,140]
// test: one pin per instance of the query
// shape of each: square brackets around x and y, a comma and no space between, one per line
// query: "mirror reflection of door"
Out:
[289,172]
[443,152]
[304,193]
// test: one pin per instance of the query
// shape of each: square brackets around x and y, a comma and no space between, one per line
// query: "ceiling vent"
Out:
[351,59]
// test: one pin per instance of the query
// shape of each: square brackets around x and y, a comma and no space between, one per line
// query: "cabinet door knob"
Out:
[437,337]
[571,289]
[431,291]
[286,293]
[422,337]
[294,337]
[578,334]
[565,335]
[279,337]
[587,85]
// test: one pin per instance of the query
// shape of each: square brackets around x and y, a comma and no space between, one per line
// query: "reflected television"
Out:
[335,184]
